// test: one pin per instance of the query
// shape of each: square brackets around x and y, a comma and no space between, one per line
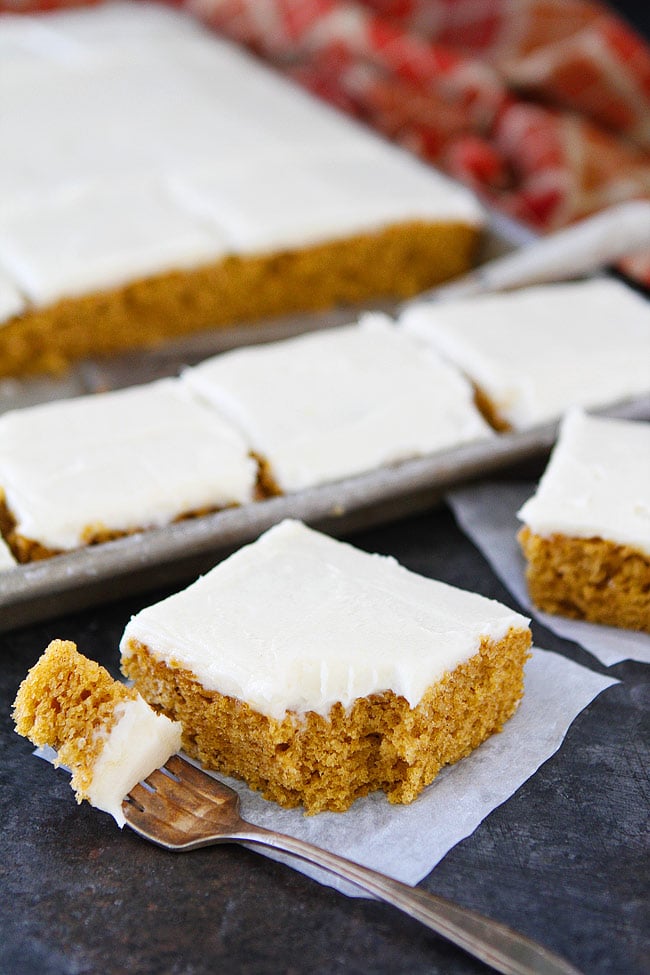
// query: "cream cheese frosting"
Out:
[114,231]
[175,152]
[538,351]
[118,461]
[139,742]
[597,483]
[298,622]
[339,402]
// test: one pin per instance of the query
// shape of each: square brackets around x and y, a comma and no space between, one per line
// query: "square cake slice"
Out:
[586,534]
[339,402]
[92,468]
[102,730]
[319,673]
[534,353]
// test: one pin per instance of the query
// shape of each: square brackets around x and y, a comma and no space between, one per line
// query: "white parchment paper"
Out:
[487,513]
[406,842]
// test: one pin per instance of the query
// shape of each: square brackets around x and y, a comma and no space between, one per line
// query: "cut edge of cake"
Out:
[325,763]
[397,262]
[588,579]
[103,731]
[598,567]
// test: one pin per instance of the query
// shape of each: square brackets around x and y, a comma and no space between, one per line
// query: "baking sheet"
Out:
[178,553]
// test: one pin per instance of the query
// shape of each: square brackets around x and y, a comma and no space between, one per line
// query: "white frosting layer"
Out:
[298,621]
[138,743]
[7,561]
[175,151]
[339,402]
[538,351]
[597,483]
[101,234]
[129,459]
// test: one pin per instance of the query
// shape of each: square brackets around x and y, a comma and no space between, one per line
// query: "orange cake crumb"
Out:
[68,702]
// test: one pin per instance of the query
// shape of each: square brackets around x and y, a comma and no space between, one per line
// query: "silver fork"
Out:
[181,808]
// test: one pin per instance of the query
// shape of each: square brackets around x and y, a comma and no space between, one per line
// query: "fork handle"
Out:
[491,942]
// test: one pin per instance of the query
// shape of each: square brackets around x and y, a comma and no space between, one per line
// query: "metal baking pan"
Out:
[179,552]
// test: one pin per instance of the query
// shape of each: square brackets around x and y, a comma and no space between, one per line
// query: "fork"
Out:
[181,808]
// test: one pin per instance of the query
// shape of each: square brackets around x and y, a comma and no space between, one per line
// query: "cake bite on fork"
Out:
[103,731]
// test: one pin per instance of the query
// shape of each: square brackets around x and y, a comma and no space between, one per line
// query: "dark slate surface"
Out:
[563,860]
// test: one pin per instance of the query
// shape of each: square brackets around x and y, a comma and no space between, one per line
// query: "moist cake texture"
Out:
[89,469]
[339,402]
[586,534]
[186,186]
[102,730]
[536,352]
[319,673]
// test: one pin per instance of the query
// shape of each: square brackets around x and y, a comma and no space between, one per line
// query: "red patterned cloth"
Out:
[541,106]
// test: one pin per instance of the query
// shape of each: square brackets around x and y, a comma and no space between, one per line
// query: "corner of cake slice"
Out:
[586,530]
[318,673]
[318,407]
[520,348]
[102,730]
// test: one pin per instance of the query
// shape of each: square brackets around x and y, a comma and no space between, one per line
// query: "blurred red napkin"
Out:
[541,106]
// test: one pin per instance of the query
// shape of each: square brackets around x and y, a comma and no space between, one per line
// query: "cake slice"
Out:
[586,530]
[90,469]
[534,353]
[319,673]
[335,403]
[102,730]
[186,186]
